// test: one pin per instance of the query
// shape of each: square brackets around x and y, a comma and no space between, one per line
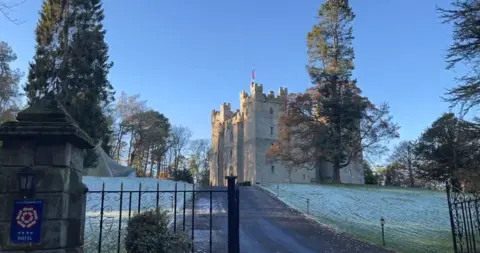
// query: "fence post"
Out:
[450,212]
[231,214]
[237,218]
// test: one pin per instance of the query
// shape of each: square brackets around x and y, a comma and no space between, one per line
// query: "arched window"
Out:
[273,169]
[231,135]
[271,110]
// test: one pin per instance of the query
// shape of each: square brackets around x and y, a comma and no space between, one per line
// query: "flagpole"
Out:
[253,75]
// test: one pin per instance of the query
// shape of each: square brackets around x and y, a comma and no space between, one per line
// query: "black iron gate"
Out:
[233,215]
[192,211]
[464,209]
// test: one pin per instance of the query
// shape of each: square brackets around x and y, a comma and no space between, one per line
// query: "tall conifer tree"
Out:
[332,121]
[72,61]
[465,50]
[352,123]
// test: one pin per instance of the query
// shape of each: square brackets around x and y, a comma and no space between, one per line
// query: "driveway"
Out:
[267,225]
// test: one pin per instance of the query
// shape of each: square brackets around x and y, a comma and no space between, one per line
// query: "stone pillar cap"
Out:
[48,120]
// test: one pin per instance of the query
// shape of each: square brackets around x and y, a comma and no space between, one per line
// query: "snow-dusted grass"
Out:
[415,220]
[118,208]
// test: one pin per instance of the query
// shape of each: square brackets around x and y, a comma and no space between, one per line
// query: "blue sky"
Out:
[187,57]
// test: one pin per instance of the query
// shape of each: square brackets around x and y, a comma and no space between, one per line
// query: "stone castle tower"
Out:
[240,141]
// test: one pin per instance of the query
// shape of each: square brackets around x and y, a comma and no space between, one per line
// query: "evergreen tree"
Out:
[72,61]
[42,71]
[370,178]
[465,49]
[332,121]
[448,150]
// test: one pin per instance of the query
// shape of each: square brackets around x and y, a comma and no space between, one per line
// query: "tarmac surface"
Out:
[267,225]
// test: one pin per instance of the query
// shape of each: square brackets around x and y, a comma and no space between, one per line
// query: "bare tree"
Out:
[199,157]
[199,150]
[178,140]
[127,110]
[9,82]
[404,154]
[6,8]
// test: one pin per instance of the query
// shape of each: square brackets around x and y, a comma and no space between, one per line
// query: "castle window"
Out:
[271,110]
[231,153]
[231,135]
[273,169]
[303,176]
[271,130]
[350,172]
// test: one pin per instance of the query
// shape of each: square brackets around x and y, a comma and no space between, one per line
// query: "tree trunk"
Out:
[130,147]
[159,165]
[118,148]
[145,159]
[336,172]
[410,169]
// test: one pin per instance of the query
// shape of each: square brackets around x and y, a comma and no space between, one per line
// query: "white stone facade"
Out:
[240,141]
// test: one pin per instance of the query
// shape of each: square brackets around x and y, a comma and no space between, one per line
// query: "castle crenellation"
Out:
[256,90]
[241,139]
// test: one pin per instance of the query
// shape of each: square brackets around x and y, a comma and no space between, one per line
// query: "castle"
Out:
[240,141]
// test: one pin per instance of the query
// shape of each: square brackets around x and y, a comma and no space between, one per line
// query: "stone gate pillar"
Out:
[45,138]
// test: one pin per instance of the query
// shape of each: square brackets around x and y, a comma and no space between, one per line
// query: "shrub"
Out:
[369,177]
[182,175]
[204,178]
[148,232]
[246,183]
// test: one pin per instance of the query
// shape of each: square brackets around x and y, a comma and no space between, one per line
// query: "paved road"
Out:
[266,226]
[203,239]
[269,226]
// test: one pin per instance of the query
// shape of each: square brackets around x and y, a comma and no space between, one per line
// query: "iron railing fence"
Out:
[108,212]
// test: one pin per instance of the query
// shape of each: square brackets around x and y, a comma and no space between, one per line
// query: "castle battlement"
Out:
[241,140]
[256,90]
[214,114]
[226,108]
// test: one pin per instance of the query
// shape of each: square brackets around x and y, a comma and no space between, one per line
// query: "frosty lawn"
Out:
[416,220]
[112,208]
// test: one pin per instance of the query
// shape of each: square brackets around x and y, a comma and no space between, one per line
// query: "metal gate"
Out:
[192,211]
[464,209]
